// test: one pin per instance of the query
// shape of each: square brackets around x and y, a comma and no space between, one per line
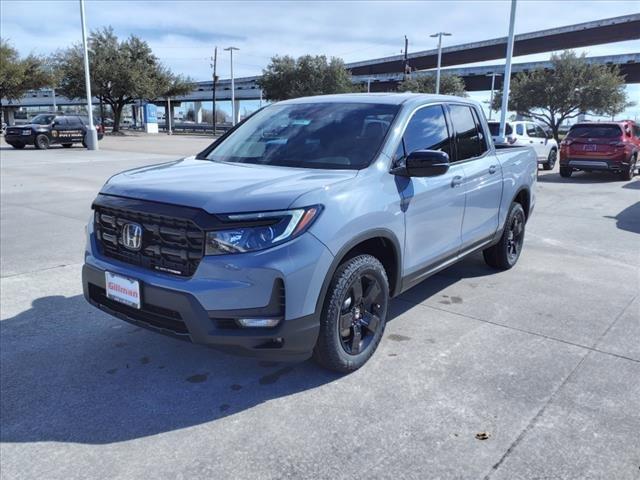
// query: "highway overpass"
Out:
[599,32]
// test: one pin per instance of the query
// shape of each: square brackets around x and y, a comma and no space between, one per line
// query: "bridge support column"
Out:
[197,108]
[236,105]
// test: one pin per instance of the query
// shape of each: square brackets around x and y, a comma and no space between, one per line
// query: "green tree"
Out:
[570,87]
[449,85]
[18,75]
[286,77]
[121,72]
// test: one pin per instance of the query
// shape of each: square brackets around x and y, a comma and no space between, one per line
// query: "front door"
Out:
[433,206]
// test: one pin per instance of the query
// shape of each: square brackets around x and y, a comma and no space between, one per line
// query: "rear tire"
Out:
[628,174]
[565,172]
[41,142]
[354,315]
[551,160]
[504,254]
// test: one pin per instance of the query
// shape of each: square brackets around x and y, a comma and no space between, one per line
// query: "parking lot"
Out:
[528,373]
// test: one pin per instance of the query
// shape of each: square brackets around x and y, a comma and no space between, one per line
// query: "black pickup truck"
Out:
[47,129]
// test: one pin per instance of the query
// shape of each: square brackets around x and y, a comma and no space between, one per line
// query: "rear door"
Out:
[433,206]
[483,182]
[76,129]
[536,139]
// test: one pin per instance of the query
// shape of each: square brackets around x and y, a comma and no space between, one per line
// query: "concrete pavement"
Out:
[544,359]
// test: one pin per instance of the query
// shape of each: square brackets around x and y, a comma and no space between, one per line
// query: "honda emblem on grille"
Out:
[132,236]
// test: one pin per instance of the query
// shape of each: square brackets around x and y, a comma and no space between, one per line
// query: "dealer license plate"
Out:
[122,289]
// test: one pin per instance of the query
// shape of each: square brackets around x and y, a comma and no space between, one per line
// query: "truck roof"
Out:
[390,98]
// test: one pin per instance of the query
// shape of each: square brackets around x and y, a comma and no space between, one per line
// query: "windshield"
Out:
[310,135]
[43,119]
[595,131]
[494,128]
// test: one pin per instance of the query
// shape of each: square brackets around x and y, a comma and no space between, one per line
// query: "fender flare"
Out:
[340,255]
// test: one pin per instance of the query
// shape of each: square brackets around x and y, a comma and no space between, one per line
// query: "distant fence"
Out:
[194,127]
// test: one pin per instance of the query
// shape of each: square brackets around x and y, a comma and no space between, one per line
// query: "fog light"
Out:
[258,322]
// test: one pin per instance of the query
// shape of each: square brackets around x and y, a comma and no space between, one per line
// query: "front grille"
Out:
[153,315]
[170,245]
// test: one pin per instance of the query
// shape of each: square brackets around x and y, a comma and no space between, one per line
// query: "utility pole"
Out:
[215,83]
[507,72]
[91,135]
[233,91]
[439,35]
[407,69]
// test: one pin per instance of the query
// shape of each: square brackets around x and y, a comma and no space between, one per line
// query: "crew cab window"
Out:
[427,130]
[42,119]
[540,133]
[61,122]
[519,129]
[467,137]
[531,130]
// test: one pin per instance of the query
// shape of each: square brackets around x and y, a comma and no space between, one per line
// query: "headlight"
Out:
[248,232]
[26,132]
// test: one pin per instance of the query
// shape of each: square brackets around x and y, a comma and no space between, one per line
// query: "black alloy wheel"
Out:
[359,316]
[354,314]
[515,236]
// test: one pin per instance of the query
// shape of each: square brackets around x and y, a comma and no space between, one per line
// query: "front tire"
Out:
[504,254]
[354,315]
[41,142]
[565,172]
[551,160]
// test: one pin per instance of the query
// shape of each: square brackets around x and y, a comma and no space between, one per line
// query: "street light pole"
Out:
[493,76]
[233,92]
[507,72]
[215,82]
[91,137]
[439,35]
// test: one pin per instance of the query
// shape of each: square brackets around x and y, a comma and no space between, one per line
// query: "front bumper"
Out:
[203,308]
[23,139]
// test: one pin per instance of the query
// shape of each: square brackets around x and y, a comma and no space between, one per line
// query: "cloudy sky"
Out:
[183,34]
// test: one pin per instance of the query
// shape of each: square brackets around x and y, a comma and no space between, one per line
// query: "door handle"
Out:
[456,181]
[530,141]
[493,169]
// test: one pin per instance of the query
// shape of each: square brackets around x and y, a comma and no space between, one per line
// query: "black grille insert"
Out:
[170,245]
[153,315]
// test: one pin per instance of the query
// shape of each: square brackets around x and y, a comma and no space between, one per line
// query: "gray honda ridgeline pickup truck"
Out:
[287,237]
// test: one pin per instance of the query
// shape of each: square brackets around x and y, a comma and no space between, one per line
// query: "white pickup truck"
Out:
[525,133]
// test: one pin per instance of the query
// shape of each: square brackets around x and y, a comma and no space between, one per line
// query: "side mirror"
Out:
[423,163]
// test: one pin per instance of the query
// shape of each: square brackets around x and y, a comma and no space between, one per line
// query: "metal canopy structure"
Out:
[599,32]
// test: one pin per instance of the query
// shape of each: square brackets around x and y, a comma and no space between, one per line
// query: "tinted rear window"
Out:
[595,131]
[494,128]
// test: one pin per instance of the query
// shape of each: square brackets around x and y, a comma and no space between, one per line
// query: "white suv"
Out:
[524,133]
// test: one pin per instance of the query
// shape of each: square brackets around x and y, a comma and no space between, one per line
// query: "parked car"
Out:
[523,134]
[287,237]
[47,129]
[601,146]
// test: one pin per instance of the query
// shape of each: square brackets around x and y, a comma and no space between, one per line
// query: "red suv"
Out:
[607,146]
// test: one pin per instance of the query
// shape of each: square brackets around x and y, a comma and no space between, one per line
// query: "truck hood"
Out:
[222,187]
